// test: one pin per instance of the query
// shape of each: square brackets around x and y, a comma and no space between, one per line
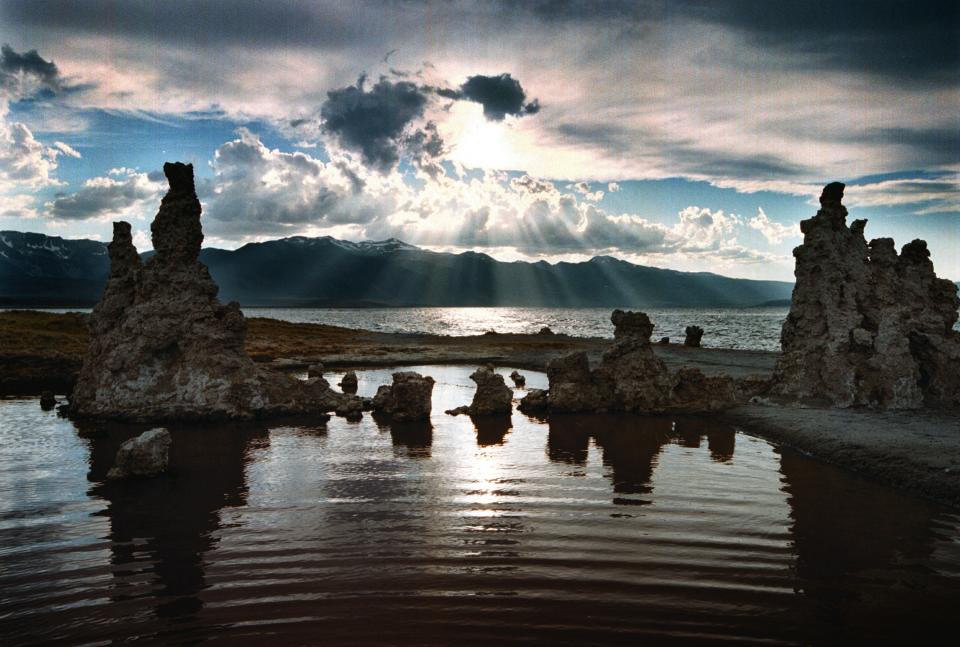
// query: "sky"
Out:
[693,135]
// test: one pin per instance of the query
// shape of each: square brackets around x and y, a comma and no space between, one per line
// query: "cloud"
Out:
[24,161]
[613,187]
[774,232]
[67,150]
[499,95]
[124,194]
[24,74]
[377,122]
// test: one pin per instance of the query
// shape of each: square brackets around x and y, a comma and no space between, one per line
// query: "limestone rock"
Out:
[409,398]
[163,347]
[146,455]
[47,400]
[693,391]
[631,324]
[519,380]
[492,397]
[693,336]
[867,327]
[348,384]
[535,401]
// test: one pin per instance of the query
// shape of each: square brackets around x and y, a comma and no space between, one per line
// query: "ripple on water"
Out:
[586,529]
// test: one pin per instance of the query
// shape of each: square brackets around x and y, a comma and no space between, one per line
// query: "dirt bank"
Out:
[917,451]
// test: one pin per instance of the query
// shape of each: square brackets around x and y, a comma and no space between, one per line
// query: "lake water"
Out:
[581,530]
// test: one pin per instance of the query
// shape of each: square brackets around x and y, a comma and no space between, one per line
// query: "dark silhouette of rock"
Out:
[693,336]
[867,327]
[630,378]
[47,400]
[315,370]
[163,347]
[535,401]
[492,397]
[519,380]
[146,455]
[631,324]
[545,331]
[348,384]
[408,399]
[664,340]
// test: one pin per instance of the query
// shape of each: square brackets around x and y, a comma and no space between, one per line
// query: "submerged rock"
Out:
[492,397]
[630,378]
[519,380]
[348,384]
[146,455]
[409,398]
[47,400]
[693,336]
[867,327]
[163,347]
[664,340]
[535,401]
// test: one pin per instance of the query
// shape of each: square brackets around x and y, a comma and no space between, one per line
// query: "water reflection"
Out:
[416,437]
[166,525]
[491,430]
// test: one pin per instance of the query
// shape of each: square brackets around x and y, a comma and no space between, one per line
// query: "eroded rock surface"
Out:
[163,347]
[492,397]
[348,384]
[867,327]
[693,335]
[630,378]
[410,397]
[519,380]
[146,455]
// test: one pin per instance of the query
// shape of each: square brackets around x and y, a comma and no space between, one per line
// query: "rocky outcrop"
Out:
[519,380]
[348,383]
[867,327]
[315,370]
[47,400]
[492,397]
[630,378]
[410,397]
[535,401]
[163,347]
[693,335]
[146,455]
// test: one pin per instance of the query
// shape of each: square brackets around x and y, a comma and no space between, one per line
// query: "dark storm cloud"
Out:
[13,65]
[377,122]
[499,95]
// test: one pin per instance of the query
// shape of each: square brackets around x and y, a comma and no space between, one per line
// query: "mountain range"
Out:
[41,270]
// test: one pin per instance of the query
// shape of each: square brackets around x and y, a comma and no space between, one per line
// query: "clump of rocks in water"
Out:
[146,455]
[163,347]
[519,380]
[693,335]
[867,327]
[409,398]
[492,397]
[348,383]
[630,378]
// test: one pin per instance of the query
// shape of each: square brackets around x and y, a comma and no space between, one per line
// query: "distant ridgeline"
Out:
[39,270]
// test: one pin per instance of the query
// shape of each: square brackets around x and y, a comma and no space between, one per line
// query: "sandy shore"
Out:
[915,451]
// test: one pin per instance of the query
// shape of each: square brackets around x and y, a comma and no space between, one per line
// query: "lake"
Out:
[584,529]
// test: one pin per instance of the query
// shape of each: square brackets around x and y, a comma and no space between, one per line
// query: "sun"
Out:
[479,143]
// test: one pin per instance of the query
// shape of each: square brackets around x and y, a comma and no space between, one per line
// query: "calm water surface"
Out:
[580,530]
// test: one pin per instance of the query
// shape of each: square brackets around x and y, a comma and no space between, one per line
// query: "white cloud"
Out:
[129,195]
[66,149]
[773,231]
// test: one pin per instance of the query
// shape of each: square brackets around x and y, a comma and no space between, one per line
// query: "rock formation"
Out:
[492,397]
[315,370]
[348,384]
[867,327]
[535,401]
[519,380]
[693,336]
[146,455]
[630,378]
[409,398]
[163,347]
[47,400]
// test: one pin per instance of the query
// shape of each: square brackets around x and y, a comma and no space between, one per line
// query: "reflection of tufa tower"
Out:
[867,327]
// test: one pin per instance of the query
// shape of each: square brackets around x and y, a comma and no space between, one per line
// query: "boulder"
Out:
[664,340]
[492,397]
[146,455]
[409,398]
[47,400]
[693,336]
[545,331]
[631,324]
[163,347]
[519,380]
[535,401]
[348,384]
[867,327]
[315,370]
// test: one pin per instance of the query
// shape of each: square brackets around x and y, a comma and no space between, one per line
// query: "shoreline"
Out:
[914,451]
